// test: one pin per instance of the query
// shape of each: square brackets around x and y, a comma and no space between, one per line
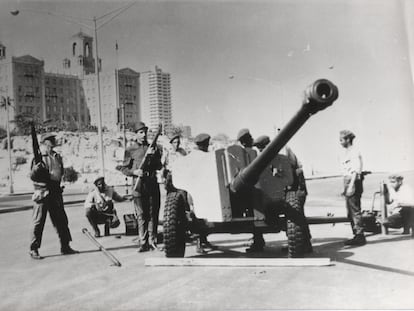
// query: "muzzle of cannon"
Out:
[318,96]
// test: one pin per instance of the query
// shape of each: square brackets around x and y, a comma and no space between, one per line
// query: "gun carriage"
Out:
[235,191]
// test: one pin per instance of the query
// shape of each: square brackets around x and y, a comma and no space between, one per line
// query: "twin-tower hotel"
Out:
[71,98]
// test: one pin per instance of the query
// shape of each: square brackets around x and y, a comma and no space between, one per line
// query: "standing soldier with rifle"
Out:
[142,162]
[47,173]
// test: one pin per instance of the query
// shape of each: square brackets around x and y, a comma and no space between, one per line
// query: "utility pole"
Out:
[6,103]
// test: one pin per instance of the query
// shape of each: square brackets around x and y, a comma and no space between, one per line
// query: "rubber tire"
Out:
[175,224]
[294,231]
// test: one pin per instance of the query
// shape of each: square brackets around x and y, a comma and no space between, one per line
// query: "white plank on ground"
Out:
[237,262]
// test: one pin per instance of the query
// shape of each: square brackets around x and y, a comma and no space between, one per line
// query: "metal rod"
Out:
[7,103]
[101,248]
[383,206]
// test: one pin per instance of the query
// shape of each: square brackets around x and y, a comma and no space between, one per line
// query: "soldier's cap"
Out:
[139,126]
[174,138]
[47,136]
[201,138]
[261,140]
[395,177]
[346,134]
[98,178]
[242,133]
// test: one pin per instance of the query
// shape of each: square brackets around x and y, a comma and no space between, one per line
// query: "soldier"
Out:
[176,142]
[202,142]
[351,162]
[147,193]
[299,183]
[246,140]
[99,206]
[47,197]
[170,157]
[401,202]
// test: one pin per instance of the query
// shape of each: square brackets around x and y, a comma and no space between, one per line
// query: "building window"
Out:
[74,48]
[87,49]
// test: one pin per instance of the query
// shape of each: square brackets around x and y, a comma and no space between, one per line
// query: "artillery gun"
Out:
[235,191]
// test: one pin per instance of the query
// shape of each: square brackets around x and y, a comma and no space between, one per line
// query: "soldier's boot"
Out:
[34,253]
[257,245]
[199,248]
[357,240]
[67,250]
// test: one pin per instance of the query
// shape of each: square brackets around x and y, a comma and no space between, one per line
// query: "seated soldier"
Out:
[100,207]
[401,203]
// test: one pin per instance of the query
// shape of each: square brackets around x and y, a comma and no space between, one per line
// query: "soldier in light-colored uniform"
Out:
[202,142]
[351,162]
[99,206]
[401,204]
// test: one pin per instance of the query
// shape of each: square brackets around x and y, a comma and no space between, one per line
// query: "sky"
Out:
[272,50]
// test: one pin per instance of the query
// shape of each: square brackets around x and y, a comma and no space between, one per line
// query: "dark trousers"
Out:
[53,204]
[96,217]
[147,208]
[405,219]
[353,207]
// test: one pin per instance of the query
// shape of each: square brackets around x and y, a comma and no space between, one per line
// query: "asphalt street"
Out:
[379,275]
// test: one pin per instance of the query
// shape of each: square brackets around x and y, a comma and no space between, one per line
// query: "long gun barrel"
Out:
[35,145]
[318,96]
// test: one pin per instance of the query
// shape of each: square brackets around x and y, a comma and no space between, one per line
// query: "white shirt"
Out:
[351,161]
[403,197]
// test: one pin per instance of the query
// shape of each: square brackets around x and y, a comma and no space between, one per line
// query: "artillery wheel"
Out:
[175,223]
[295,233]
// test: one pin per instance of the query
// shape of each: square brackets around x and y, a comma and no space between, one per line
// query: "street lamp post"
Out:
[109,16]
[6,103]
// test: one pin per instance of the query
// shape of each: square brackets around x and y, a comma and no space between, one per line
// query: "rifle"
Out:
[35,145]
[146,156]
[40,173]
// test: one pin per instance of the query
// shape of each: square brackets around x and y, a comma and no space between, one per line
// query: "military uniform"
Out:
[351,162]
[401,205]
[246,140]
[47,197]
[99,206]
[202,141]
[147,194]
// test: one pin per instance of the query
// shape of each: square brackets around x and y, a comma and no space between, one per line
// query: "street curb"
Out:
[27,207]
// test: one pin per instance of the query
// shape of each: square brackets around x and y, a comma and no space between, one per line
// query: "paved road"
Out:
[379,275]
[22,201]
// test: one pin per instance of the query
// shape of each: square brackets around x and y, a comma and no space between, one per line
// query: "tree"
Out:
[176,130]
[23,124]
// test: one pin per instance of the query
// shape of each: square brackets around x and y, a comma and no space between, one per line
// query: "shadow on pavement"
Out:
[329,247]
